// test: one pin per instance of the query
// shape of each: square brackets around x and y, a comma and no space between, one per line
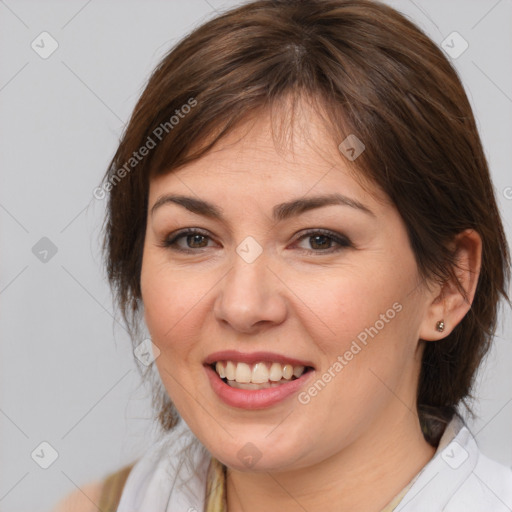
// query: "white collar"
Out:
[170,476]
[455,458]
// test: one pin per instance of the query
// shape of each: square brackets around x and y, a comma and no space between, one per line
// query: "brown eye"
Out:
[193,240]
[321,241]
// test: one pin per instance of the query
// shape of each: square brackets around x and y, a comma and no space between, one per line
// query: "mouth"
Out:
[256,380]
[260,375]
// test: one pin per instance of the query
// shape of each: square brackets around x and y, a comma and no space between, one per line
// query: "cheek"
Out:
[174,301]
[171,299]
[365,325]
[349,302]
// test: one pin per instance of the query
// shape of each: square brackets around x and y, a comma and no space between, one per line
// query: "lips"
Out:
[255,380]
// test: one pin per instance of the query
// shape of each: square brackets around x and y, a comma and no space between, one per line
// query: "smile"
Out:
[256,380]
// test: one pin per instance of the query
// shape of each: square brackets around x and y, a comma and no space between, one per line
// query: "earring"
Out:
[440,326]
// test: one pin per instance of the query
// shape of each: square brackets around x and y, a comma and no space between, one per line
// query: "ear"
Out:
[449,305]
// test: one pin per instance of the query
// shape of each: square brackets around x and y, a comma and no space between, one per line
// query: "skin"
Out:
[361,431]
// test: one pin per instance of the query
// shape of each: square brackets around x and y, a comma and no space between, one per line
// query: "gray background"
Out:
[67,372]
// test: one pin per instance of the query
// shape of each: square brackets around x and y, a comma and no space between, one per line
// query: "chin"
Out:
[260,453]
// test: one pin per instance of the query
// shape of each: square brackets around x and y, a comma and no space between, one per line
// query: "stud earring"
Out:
[440,326]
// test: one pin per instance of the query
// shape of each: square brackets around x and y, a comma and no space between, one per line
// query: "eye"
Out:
[321,241]
[194,239]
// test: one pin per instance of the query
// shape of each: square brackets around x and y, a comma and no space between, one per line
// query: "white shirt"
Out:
[459,478]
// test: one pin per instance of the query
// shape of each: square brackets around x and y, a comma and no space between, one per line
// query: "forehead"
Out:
[270,156]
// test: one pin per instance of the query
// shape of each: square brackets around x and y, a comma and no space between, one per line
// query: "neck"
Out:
[384,459]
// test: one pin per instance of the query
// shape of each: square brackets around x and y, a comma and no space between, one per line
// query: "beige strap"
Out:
[112,489]
[216,487]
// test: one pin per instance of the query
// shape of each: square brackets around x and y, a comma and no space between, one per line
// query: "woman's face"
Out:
[275,283]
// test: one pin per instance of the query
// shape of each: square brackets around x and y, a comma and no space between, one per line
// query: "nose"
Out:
[250,297]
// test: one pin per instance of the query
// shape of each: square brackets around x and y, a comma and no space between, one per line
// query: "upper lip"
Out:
[253,357]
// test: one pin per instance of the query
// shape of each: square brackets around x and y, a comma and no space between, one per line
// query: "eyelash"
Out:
[342,241]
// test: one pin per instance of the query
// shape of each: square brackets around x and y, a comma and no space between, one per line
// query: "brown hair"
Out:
[373,73]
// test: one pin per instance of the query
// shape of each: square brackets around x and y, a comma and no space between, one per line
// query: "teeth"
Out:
[250,385]
[287,371]
[259,373]
[243,373]
[276,372]
[298,371]
[229,370]
[220,370]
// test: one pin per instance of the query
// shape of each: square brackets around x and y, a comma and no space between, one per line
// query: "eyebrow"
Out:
[280,212]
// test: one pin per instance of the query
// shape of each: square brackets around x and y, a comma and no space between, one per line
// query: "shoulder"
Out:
[100,494]
[84,499]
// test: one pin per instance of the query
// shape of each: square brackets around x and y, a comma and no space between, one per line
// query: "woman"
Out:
[301,212]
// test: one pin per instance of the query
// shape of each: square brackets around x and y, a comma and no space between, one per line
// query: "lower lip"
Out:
[254,398]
